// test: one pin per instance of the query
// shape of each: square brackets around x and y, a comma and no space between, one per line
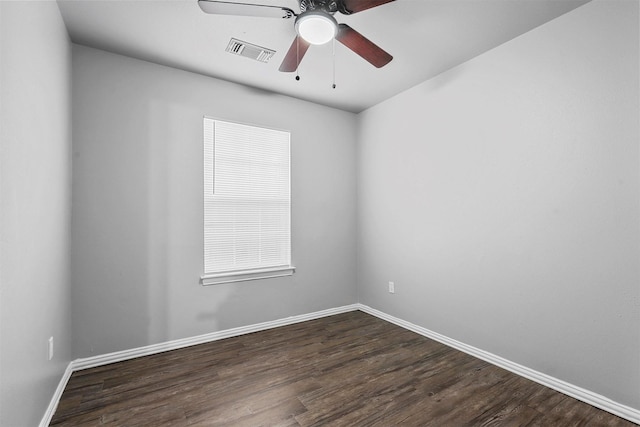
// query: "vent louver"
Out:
[248,50]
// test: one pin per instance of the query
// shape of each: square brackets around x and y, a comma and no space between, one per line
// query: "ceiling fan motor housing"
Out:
[329,6]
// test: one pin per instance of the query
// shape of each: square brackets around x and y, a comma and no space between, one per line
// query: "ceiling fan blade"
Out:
[362,46]
[245,9]
[354,6]
[294,56]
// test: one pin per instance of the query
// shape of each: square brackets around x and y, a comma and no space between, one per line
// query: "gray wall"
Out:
[502,197]
[35,196]
[137,205]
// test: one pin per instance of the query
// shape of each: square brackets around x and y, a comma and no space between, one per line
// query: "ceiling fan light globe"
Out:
[316,27]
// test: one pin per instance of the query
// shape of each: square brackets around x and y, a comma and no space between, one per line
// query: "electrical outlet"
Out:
[392,288]
[50,348]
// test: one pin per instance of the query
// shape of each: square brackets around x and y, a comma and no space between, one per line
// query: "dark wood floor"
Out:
[346,370]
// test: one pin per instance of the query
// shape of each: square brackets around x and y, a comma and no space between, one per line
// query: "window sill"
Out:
[245,275]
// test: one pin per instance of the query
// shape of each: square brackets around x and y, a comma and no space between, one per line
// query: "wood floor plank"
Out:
[350,369]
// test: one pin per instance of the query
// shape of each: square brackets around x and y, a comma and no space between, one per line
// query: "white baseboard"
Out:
[564,387]
[579,393]
[119,356]
[51,409]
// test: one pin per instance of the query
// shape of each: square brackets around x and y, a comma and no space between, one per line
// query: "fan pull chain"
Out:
[297,57]
[334,62]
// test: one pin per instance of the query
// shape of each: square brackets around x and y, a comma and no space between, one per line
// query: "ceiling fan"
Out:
[314,25]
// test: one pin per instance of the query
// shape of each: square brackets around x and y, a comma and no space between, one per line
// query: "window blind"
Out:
[247,204]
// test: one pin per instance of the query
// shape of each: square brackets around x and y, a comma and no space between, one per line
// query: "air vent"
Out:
[248,50]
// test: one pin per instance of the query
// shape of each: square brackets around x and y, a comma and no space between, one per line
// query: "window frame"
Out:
[246,274]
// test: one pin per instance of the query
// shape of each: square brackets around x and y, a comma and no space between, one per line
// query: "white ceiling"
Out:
[425,37]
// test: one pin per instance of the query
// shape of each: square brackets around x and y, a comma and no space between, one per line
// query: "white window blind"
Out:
[247,203]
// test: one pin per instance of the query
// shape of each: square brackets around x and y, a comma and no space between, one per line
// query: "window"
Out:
[247,203]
